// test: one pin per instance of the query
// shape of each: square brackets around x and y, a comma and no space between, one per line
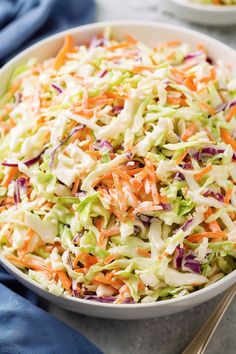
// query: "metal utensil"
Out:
[201,340]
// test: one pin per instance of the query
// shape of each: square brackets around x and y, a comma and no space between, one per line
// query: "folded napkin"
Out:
[25,328]
[24,20]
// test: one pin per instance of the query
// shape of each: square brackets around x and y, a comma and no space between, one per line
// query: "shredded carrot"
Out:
[12,171]
[110,258]
[225,136]
[104,234]
[208,108]
[200,236]
[115,230]
[203,172]
[230,114]
[134,171]
[87,113]
[228,196]
[66,282]
[201,47]
[176,101]
[118,213]
[84,258]
[85,98]
[121,45]
[141,286]
[121,197]
[61,56]
[28,240]
[191,130]
[29,263]
[174,43]
[146,208]
[98,223]
[75,186]
[190,84]
[105,280]
[131,39]
[139,68]
[213,225]
[211,77]
[81,270]
[143,252]
[177,72]
[181,157]
[153,181]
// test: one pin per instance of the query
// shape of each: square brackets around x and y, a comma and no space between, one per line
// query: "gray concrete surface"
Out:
[166,335]
[163,335]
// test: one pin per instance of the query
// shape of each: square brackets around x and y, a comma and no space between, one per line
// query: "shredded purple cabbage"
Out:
[187,224]
[98,42]
[105,299]
[103,145]
[20,186]
[53,153]
[57,88]
[189,263]
[193,55]
[75,292]
[210,151]
[216,195]
[129,155]
[77,237]
[103,73]
[186,262]
[117,109]
[145,218]
[27,163]
[187,166]
[166,206]
[178,257]
[179,176]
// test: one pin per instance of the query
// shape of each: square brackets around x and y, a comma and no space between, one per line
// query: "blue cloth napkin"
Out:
[25,328]
[30,20]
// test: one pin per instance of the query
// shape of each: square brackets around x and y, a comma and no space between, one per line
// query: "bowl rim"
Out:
[205,8]
[97,26]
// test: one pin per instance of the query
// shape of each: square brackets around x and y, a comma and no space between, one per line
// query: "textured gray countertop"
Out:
[165,335]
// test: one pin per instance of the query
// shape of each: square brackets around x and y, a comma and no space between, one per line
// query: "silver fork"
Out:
[202,338]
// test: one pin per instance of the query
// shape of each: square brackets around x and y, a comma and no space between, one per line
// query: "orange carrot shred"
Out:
[228,196]
[181,157]
[203,172]
[230,114]
[225,136]
[66,282]
[200,236]
[191,130]
[61,56]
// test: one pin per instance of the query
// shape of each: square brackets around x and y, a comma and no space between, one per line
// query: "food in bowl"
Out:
[215,2]
[118,170]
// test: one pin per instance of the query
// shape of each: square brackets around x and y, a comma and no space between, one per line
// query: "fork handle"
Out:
[201,340]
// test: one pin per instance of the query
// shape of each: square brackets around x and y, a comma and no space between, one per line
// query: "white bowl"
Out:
[212,15]
[150,33]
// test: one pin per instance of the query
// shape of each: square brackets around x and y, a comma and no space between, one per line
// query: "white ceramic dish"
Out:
[150,33]
[212,15]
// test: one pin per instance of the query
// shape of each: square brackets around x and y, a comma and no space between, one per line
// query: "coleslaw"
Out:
[118,170]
